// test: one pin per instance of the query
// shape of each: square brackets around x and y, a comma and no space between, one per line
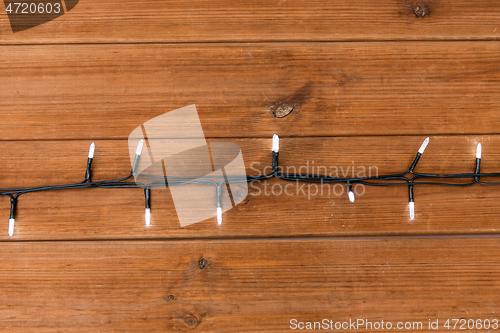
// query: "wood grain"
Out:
[129,21]
[367,82]
[273,208]
[249,286]
[339,89]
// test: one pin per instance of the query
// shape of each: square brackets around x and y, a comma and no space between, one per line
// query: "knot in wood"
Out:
[282,110]
[190,320]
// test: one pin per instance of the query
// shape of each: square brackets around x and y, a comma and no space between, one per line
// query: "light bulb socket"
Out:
[13,205]
[137,155]
[218,194]
[87,172]
[410,193]
[411,203]
[275,162]
[415,161]
[478,168]
[147,197]
[219,202]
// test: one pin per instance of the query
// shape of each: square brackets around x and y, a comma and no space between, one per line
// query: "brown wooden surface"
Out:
[368,80]
[116,21]
[244,286]
[408,88]
[304,212]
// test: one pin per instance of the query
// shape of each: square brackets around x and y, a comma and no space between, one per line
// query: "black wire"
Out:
[383,180]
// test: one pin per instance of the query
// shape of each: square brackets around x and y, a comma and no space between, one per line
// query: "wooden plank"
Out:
[285,20]
[339,89]
[268,211]
[244,286]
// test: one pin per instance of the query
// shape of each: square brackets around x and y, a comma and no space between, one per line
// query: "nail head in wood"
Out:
[420,11]
[202,263]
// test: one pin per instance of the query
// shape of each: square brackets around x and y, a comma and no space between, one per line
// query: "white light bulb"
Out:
[139,147]
[276,143]
[423,146]
[11,226]
[351,196]
[148,217]
[219,215]
[412,210]
[91,150]
[478,151]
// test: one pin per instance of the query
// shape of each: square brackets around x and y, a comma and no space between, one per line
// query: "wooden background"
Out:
[369,80]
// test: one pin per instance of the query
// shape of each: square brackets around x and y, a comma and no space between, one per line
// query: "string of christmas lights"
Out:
[397,179]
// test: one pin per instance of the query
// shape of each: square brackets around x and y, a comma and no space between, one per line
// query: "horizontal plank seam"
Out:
[493,39]
[264,137]
[259,239]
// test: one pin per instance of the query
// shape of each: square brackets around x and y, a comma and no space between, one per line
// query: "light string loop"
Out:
[384,180]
